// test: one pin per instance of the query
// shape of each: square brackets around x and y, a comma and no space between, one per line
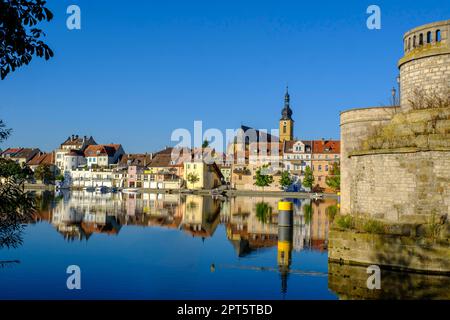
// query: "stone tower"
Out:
[286,121]
[425,66]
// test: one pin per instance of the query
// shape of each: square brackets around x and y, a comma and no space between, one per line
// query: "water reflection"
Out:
[242,249]
[251,222]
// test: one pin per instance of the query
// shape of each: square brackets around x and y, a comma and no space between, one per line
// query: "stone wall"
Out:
[430,74]
[401,186]
[356,125]
[426,63]
[349,282]
[390,251]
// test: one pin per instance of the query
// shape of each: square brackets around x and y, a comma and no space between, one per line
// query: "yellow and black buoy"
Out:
[285,240]
[285,214]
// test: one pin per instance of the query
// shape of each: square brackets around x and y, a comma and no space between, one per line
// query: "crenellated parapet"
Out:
[425,66]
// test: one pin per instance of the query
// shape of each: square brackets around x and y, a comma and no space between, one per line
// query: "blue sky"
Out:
[140,69]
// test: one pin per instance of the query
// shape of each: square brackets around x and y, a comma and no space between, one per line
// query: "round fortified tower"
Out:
[425,66]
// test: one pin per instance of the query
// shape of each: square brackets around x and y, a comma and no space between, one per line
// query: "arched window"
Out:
[406,45]
[409,43]
[429,37]
[438,35]
[284,129]
[421,39]
[414,41]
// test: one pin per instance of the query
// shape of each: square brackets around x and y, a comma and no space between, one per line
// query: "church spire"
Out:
[286,113]
[287,97]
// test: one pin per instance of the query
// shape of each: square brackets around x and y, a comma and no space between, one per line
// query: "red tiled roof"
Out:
[289,145]
[101,150]
[326,146]
[163,158]
[136,159]
[11,151]
[44,158]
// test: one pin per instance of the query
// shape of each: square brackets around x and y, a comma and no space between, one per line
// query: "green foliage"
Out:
[345,222]
[16,205]
[60,177]
[262,179]
[12,170]
[308,212]
[308,180]
[20,39]
[44,173]
[373,226]
[333,180]
[205,144]
[263,212]
[331,212]
[4,132]
[285,180]
[192,178]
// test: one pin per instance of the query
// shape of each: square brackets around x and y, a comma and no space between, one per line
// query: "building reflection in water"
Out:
[251,223]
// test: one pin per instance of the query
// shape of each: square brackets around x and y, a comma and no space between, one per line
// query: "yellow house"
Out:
[200,175]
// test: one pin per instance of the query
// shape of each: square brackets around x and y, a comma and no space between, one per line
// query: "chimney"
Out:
[323,141]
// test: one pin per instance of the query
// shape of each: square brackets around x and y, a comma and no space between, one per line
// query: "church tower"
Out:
[286,122]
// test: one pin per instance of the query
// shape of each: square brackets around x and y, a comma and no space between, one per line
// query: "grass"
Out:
[373,226]
[349,222]
[345,222]
[414,127]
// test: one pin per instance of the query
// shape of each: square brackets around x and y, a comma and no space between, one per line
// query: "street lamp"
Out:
[394,93]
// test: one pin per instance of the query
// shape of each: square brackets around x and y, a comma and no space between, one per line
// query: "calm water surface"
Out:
[163,246]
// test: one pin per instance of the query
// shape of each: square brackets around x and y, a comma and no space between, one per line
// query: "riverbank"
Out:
[228,193]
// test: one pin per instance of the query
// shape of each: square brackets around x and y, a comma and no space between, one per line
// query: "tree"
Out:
[4,132]
[308,212]
[263,179]
[308,180]
[205,144]
[20,40]
[11,170]
[334,178]
[193,178]
[263,212]
[16,205]
[285,180]
[43,173]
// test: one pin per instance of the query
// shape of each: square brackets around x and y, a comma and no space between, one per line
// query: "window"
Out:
[326,168]
[429,37]
[438,36]
[409,43]
[421,39]
[414,41]
[284,129]
[320,167]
